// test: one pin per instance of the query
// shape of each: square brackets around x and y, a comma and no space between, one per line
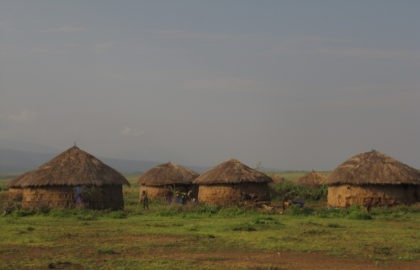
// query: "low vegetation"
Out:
[201,237]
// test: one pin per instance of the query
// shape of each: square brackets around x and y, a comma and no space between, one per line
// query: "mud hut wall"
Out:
[377,195]
[105,197]
[228,194]
[15,194]
[164,193]
[48,197]
[260,190]
[60,197]
[113,198]
[154,192]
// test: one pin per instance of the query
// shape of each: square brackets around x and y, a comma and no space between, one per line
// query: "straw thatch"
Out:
[232,182]
[163,181]
[232,172]
[373,168]
[74,178]
[373,179]
[312,179]
[168,174]
[73,167]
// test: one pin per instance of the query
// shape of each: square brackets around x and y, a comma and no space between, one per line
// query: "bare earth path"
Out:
[230,260]
[290,260]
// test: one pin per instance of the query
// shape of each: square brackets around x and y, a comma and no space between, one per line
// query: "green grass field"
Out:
[204,237]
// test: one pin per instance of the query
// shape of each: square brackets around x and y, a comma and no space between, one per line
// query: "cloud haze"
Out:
[291,85]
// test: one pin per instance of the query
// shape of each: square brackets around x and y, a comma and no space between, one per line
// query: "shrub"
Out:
[357,213]
[290,190]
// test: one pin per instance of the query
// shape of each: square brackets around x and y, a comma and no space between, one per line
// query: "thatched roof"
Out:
[373,168]
[232,172]
[168,174]
[312,179]
[73,167]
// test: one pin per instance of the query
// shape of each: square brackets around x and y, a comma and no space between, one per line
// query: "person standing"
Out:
[145,200]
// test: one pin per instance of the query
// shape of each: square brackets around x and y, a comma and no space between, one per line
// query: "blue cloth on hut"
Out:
[299,203]
[78,191]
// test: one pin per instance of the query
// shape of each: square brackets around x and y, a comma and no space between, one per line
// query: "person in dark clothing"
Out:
[145,200]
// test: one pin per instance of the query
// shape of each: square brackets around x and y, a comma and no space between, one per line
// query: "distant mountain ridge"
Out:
[12,161]
[18,161]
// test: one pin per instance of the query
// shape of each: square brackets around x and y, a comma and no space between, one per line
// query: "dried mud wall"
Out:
[229,194]
[106,197]
[165,193]
[375,195]
[154,192]
[15,194]
[48,197]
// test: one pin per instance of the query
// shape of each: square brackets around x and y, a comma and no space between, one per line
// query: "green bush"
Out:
[355,212]
[291,191]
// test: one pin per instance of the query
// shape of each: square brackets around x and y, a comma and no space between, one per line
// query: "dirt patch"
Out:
[170,249]
[287,260]
[64,265]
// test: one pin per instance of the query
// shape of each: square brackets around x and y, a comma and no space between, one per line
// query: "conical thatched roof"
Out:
[73,167]
[168,174]
[232,172]
[312,179]
[373,168]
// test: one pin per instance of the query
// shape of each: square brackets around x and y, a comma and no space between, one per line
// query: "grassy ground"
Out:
[203,237]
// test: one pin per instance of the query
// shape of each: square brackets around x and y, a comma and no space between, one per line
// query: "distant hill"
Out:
[17,161]
[12,161]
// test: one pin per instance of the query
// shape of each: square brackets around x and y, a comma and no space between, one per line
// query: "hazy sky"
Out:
[290,84]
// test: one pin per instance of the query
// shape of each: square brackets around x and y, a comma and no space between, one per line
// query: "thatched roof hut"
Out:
[312,179]
[72,178]
[373,178]
[162,181]
[232,182]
